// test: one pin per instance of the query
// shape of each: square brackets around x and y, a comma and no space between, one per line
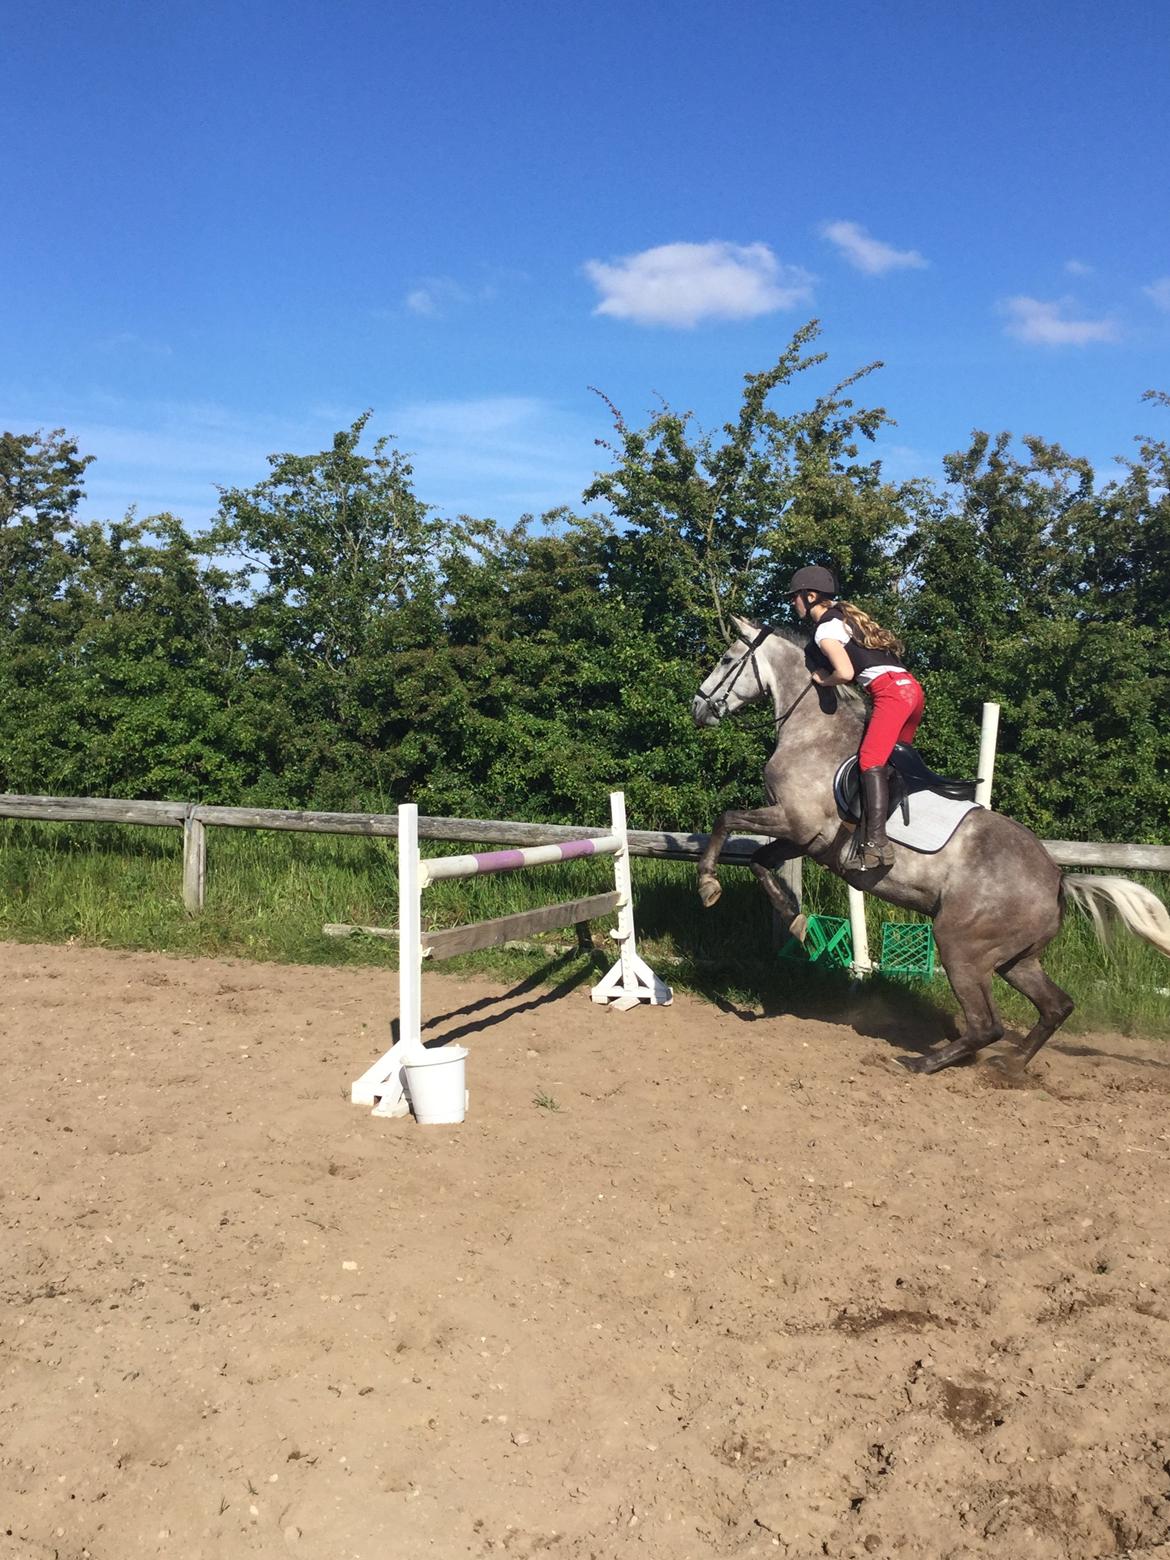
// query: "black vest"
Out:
[860,658]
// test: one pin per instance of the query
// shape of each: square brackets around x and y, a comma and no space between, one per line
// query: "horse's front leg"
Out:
[759,820]
[780,895]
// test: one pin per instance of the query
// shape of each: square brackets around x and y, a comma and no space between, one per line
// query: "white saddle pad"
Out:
[933,819]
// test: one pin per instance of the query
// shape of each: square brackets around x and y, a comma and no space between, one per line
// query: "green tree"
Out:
[712,524]
[555,692]
[133,695]
[1016,600]
[153,665]
[41,484]
[340,567]
[1126,562]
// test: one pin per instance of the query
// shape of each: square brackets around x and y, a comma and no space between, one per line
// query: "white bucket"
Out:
[437,1085]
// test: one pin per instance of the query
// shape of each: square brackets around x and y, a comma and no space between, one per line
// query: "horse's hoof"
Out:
[799,929]
[709,893]
[1028,1052]
[949,1056]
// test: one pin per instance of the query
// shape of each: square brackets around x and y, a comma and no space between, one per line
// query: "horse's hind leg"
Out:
[982,1026]
[1052,1004]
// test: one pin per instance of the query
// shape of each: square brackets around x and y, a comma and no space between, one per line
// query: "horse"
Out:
[994,894]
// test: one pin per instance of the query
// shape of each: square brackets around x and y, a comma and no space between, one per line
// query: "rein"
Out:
[780,719]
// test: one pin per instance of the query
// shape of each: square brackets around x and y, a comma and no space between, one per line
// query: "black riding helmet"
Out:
[815,577]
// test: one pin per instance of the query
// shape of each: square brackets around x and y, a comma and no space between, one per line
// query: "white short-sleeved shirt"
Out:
[837,628]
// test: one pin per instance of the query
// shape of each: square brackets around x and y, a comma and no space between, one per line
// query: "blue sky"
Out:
[230,228]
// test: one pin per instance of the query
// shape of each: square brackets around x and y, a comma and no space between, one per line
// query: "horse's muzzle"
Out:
[704,712]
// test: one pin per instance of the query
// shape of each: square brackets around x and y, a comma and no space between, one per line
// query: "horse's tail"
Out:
[1138,910]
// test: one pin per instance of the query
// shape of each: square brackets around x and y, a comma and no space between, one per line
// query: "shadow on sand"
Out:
[534,992]
[910,1017]
[901,1014]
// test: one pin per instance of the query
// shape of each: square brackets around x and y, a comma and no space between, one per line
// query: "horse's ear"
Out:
[745,628]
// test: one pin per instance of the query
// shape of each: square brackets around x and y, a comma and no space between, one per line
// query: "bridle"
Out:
[733,671]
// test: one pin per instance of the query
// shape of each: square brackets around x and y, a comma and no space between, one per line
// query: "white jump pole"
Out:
[630,981]
[409,929]
[988,734]
[858,933]
[383,1081]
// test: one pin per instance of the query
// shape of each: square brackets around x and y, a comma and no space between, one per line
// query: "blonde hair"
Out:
[868,633]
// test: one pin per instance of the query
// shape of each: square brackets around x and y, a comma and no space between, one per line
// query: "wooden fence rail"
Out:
[195,819]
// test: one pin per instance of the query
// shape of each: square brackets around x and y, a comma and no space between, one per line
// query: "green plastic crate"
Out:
[827,938]
[907,949]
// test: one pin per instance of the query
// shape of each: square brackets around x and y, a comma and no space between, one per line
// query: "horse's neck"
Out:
[790,683]
[797,704]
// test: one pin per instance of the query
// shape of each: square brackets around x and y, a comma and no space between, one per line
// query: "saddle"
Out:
[908,775]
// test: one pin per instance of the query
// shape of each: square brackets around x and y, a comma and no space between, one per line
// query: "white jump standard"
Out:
[627,984]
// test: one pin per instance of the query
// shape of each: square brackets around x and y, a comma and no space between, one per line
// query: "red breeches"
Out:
[897,710]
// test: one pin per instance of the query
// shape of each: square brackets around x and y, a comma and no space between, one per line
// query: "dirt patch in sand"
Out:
[751,1289]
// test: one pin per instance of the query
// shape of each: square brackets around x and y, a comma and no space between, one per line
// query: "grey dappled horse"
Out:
[994,893]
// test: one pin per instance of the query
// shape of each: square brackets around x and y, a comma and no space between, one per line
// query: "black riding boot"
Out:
[876,850]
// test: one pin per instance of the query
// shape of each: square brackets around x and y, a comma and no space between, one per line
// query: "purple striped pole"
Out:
[438,867]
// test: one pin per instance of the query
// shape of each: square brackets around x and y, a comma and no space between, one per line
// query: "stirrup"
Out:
[874,855]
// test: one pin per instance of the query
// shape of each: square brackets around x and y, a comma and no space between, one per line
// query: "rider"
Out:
[855,647]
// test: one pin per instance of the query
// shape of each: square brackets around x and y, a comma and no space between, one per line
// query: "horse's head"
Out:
[743,675]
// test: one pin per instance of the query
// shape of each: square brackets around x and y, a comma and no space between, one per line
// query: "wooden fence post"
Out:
[194,862]
[792,873]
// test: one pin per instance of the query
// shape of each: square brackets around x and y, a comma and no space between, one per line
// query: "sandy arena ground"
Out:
[751,1290]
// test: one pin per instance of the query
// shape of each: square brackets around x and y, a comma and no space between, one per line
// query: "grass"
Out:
[269,894]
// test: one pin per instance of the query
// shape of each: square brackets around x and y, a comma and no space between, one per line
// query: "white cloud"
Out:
[1053,324]
[1159,291]
[165,455]
[1109,472]
[476,417]
[1078,268]
[870,254]
[435,296]
[503,455]
[682,284]
[421,300]
[130,342]
[902,462]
